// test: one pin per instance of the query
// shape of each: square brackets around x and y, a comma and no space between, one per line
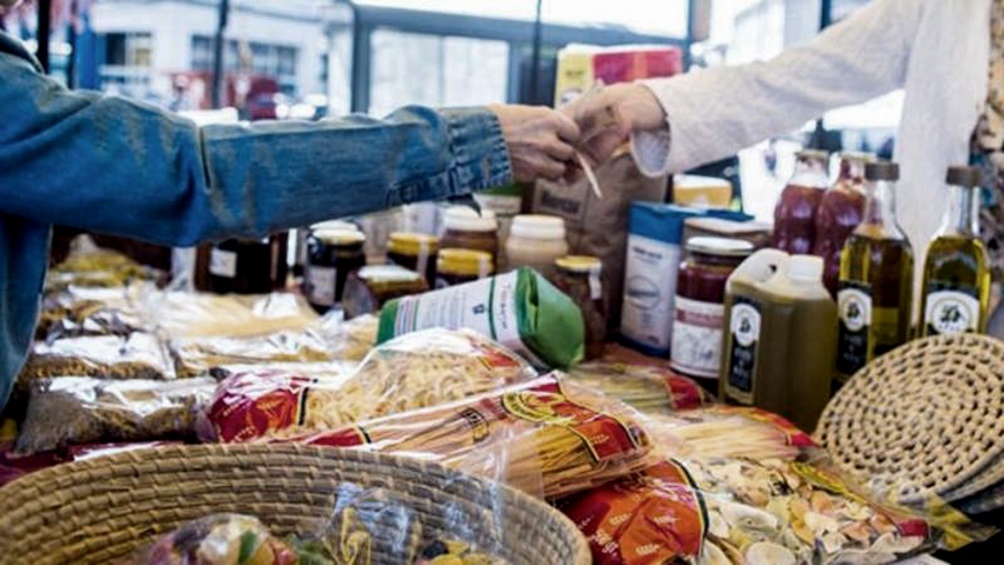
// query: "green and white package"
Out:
[521,310]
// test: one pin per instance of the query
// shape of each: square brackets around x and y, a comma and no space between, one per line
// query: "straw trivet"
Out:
[922,420]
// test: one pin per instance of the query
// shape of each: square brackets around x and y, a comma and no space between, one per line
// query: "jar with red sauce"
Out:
[840,211]
[795,214]
[699,311]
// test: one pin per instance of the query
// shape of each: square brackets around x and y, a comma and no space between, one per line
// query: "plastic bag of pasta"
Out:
[198,356]
[558,438]
[184,315]
[79,410]
[78,311]
[647,388]
[349,340]
[91,266]
[135,356]
[414,371]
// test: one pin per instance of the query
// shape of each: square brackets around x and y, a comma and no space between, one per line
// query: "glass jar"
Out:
[459,266]
[303,237]
[248,266]
[331,257]
[536,241]
[580,278]
[369,288]
[465,229]
[699,310]
[415,252]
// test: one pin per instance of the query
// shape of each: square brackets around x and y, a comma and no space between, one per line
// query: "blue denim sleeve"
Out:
[117,166]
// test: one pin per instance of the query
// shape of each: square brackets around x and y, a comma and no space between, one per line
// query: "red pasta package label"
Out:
[792,435]
[656,516]
[250,405]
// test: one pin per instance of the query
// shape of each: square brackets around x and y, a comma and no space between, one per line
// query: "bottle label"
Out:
[321,285]
[697,337]
[223,263]
[744,338]
[595,287]
[649,288]
[854,307]
[951,309]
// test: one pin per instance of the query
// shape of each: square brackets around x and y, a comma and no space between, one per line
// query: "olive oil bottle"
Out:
[956,289]
[875,287]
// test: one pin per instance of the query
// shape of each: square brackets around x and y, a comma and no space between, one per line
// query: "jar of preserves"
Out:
[459,266]
[303,238]
[579,277]
[464,228]
[699,310]
[331,257]
[795,214]
[415,252]
[536,241]
[369,288]
[247,266]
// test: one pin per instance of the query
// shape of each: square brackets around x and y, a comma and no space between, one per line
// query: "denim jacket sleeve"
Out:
[116,166]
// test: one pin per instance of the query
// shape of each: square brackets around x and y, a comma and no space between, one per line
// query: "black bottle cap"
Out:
[882,170]
[964,176]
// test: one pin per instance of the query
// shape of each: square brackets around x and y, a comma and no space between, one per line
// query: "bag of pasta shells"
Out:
[413,371]
[547,437]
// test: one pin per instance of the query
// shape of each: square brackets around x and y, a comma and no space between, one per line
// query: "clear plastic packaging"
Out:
[411,372]
[79,311]
[558,437]
[135,356]
[650,389]
[198,356]
[91,266]
[74,410]
[184,315]
[349,340]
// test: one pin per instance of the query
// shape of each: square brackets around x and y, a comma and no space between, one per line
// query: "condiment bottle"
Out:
[369,288]
[781,337]
[795,214]
[332,256]
[578,276]
[416,252]
[464,228]
[459,266]
[840,211]
[536,241]
[699,307]
[956,289]
[875,288]
[248,266]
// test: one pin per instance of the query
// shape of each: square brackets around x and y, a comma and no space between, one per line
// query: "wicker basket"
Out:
[101,510]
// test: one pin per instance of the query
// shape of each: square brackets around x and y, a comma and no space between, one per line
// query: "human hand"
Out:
[608,115]
[540,141]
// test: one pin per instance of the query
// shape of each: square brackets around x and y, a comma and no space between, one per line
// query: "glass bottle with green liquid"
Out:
[875,287]
[956,289]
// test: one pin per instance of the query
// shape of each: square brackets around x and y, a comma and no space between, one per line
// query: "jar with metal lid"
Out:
[303,239]
[416,252]
[247,266]
[579,276]
[699,310]
[331,257]
[464,228]
[369,288]
[459,266]
[536,241]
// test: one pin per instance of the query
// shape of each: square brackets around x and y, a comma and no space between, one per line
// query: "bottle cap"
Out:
[964,176]
[808,268]
[579,264]
[812,155]
[465,262]
[340,237]
[463,218]
[538,226]
[412,243]
[882,170]
[720,246]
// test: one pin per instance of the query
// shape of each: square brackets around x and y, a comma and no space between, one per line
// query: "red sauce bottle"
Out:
[795,214]
[840,211]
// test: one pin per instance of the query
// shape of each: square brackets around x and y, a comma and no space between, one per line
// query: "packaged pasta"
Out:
[138,355]
[197,356]
[646,388]
[185,315]
[79,311]
[555,434]
[91,266]
[414,371]
[349,340]
[80,410]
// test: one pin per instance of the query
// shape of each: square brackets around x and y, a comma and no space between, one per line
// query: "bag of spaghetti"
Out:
[554,433]
[413,371]
[646,388]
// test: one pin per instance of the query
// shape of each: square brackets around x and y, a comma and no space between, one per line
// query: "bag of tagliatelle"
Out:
[414,371]
[557,438]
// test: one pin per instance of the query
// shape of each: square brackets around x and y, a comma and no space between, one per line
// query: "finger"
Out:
[566,128]
[550,169]
[560,150]
[601,147]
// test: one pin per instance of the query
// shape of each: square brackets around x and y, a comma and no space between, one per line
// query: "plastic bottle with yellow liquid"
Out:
[956,290]
[875,288]
[781,336]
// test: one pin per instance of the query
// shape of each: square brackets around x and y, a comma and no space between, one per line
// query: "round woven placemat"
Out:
[925,419]
[101,510]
